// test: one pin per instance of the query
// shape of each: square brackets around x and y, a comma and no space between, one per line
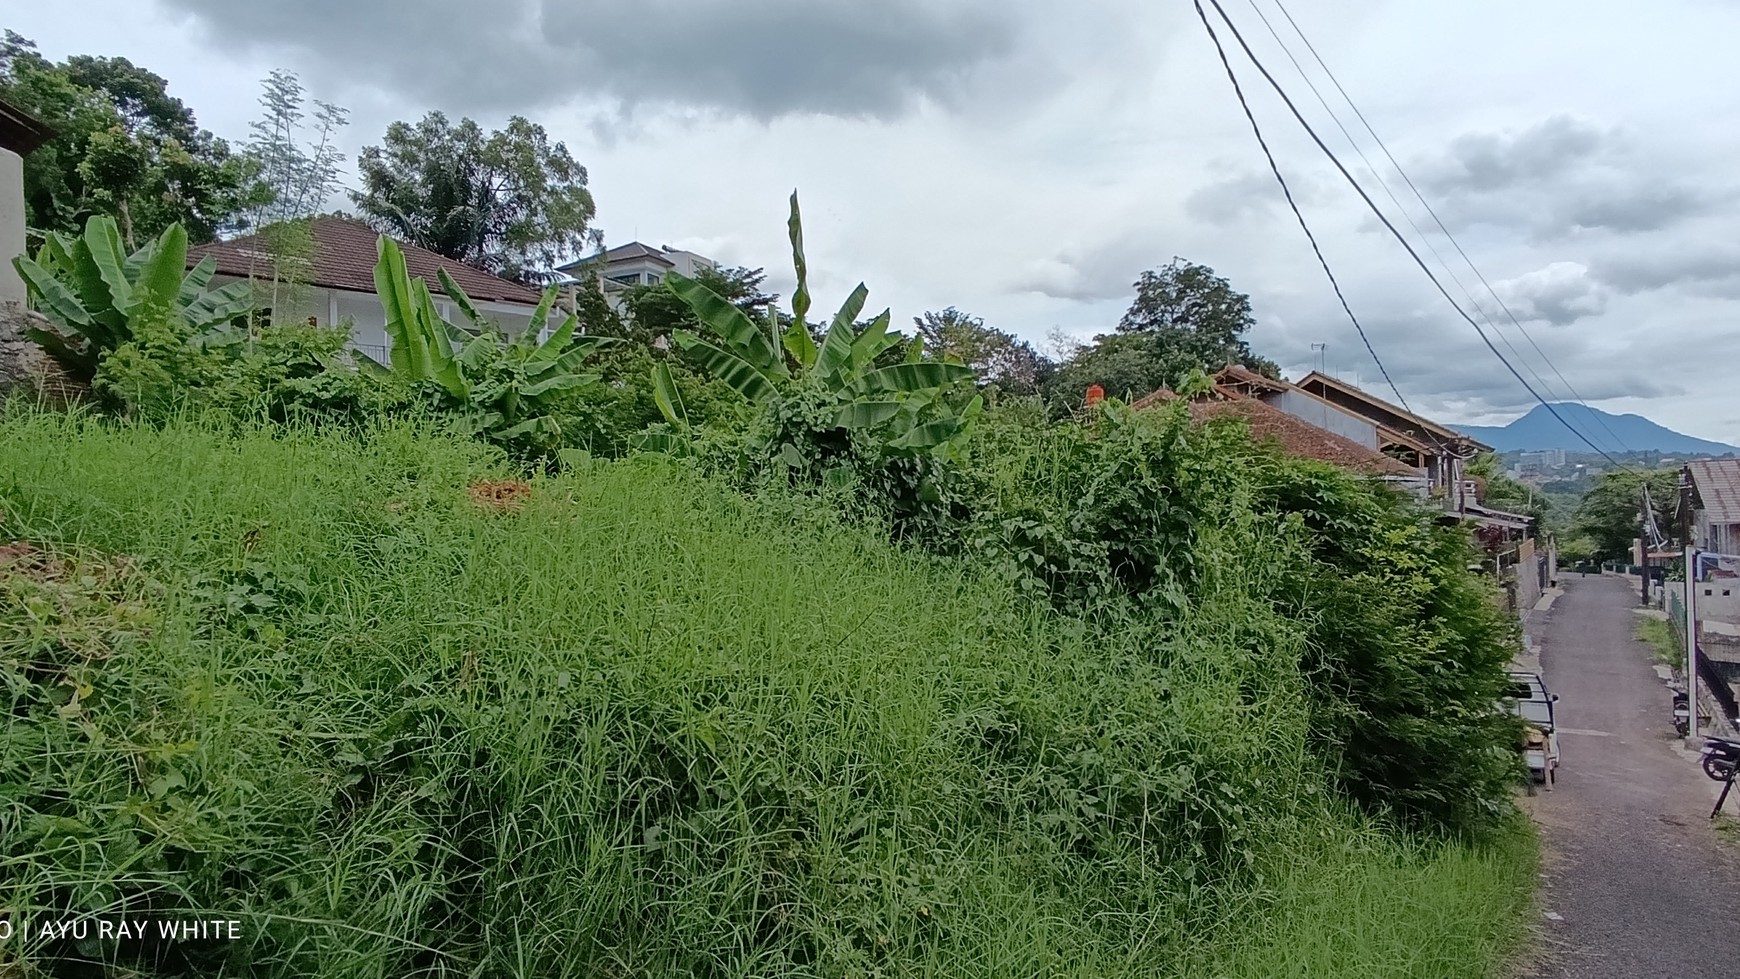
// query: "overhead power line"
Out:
[1288,193]
[1388,225]
[1445,230]
[1466,291]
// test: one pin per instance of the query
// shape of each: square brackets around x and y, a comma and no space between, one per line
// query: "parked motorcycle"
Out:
[1682,715]
[1721,760]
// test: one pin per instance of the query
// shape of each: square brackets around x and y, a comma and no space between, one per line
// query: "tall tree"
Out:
[1183,318]
[1609,513]
[123,146]
[510,202]
[298,179]
[996,356]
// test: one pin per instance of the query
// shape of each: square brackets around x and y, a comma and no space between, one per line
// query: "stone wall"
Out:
[24,369]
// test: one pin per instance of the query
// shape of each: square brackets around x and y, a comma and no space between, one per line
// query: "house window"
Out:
[627,280]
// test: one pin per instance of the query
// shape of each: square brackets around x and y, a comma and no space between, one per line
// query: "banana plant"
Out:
[93,291]
[503,388]
[901,404]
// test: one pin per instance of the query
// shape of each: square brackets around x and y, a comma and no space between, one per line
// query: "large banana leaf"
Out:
[929,435]
[561,382]
[667,397]
[866,414]
[393,286]
[836,352]
[197,278]
[548,351]
[800,297]
[55,299]
[461,300]
[798,342]
[159,282]
[219,306]
[79,269]
[741,375]
[911,377]
[872,342]
[101,245]
[745,339]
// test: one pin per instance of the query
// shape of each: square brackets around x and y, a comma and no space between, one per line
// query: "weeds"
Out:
[644,727]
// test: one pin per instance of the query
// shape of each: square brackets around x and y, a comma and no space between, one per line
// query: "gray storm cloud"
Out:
[760,58]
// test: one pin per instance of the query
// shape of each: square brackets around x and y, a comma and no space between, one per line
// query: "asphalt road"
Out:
[1637,882]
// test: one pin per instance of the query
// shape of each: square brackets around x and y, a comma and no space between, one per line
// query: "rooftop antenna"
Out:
[1319,351]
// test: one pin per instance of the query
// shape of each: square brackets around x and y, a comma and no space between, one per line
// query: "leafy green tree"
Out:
[122,147]
[510,202]
[1183,317]
[1610,511]
[996,356]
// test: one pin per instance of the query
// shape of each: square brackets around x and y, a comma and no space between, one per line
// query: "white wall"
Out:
[11,225]
[331,307]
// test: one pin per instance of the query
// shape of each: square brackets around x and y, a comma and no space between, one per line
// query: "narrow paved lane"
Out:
[1637,882]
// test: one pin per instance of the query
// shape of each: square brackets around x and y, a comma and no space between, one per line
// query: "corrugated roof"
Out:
[1717,482]
[344,258]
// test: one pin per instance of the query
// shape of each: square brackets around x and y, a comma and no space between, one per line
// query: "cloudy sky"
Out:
[1025,161]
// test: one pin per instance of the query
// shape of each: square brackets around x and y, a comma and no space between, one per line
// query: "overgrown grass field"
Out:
[633,724]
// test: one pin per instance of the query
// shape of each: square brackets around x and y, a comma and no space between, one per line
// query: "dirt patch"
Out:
[23,559]
[499,495]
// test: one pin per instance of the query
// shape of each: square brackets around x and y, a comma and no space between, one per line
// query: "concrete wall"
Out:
[1326,416]
[11,225]
[1530,576]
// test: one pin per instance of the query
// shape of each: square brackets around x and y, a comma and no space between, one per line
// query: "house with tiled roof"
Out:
[1436,449]
[1714,486]
[336,285]
[1289,434]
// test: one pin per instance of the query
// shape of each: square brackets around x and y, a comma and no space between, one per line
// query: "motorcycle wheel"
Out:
[1716,768]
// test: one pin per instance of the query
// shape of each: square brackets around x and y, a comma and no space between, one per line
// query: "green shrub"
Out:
[1408,652]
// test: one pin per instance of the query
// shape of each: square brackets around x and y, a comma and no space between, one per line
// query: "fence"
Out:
[1709,675]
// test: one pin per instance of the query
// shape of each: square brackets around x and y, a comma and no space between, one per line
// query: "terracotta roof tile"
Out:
[344,258]
[1301,439]
[1293,436]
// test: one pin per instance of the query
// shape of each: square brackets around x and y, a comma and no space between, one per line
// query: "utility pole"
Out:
[1685,515]
[1691,644]
[1643,540]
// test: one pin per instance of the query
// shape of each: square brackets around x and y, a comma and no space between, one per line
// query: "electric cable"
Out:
[1444,229]
[1383,218]
[1288,193]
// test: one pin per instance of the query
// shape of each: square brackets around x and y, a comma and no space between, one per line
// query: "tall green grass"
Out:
[643,727]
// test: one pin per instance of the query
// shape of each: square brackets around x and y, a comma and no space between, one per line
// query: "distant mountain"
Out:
[1540,430]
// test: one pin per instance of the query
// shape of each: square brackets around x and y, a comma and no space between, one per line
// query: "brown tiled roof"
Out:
[1293,436]
[344,258]
[1717,483]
